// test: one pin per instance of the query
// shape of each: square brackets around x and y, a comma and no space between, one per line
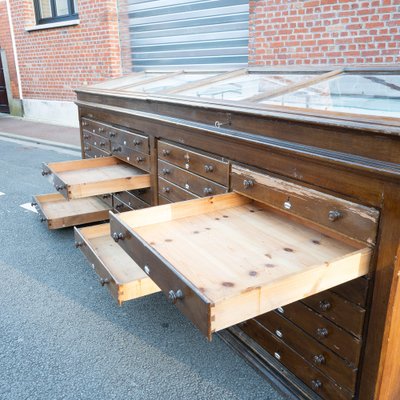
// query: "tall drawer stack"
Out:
[330,325]
[184,173]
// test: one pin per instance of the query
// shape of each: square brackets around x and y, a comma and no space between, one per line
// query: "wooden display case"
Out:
[298,268]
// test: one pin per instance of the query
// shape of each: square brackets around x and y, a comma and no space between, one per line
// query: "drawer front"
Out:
[130,200]
[187,298]
[95,127]
[355,291]
[191,182]
[120,206]
[332,336]
[350,219]
[212,168]
[342,312]
[163,200]
[131,156]
[173,192]
[91,151]
[132,140]
[311,376]
[312,350]
[96,140]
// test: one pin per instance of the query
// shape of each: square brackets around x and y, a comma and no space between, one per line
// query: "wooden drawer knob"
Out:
[174,296]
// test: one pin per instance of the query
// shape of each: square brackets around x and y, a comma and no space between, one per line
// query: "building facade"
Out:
[50,47]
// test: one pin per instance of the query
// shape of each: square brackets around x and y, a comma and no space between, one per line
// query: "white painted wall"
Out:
[54,112]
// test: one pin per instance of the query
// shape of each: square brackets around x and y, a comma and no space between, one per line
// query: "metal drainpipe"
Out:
[14,46]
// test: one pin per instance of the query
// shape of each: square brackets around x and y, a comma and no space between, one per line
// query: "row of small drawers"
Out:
[186,174]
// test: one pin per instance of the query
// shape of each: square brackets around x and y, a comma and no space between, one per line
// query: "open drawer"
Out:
[60,213]
[227,258]
[116,270]
[91,177]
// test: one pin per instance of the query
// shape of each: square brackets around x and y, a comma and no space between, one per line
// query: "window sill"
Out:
[51,25]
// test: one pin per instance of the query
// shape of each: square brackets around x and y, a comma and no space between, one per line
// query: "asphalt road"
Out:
[62,336]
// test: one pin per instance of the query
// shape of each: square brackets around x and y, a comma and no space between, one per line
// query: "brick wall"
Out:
[6,44]
[319,32]
[53,62]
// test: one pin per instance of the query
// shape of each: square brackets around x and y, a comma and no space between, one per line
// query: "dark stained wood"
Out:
[135,203]
[173,192]
[331,335]
[207,166]
[355,291]
[135,141]
[310,375]
[131,156]
[96,140]
[190,182]
[309,348]
[340,311]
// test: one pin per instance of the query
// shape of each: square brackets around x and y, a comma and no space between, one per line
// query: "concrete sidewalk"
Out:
[17,127]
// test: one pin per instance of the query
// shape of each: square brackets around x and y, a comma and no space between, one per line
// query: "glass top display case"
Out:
[338,92]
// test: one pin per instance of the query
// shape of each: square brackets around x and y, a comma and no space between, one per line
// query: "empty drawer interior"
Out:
[58,212]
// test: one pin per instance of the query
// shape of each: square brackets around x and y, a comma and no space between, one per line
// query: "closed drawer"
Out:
[211,167]
[173,192]
[332,336]
[85,178]
[294,362]
[163,200]
[193,250]
[130,200]
[355,291]
[137,142]
[337,309]
[131,156]
[347,218]
[96,140]
[143,194]
[91,151]
[188,181]
[58,212]
[120,206]
[312,350]
[95,127]
[115,269]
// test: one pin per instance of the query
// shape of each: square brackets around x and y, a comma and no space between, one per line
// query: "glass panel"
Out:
[75,6]
[62,7]
[244,86]
[168,83]
[126,81]
[45,8]
[358,94]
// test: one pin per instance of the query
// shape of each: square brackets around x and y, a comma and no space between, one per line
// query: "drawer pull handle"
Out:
[87,148]
[78,244]
[104,281]
[137,142]
[287,205]
[43,219]
[207,191]
[334,215]
[319,359]
[112,134]
[279,333]
[106,196]
[118,236]
[44,173]
[101,129]
[325,305]
[118,206]
[316,384]
[59,188]
[84,123]
[277,355]
[166,152]
[146,269]
[248,183]
[166,189]
[116,149]
[280,310]
[33,204]
[86,136]
[175,296]
[165,171]
[102,144]
[208,168]
[322,332]
[89,116]
[139,159]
